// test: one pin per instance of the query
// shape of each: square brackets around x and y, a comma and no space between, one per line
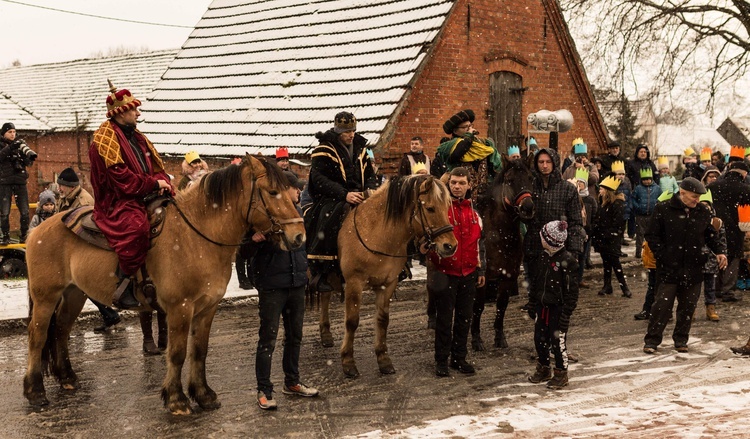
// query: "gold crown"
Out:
[618,166]
[610,183]
[706,154]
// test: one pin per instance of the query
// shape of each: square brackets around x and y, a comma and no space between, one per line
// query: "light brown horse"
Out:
[372,252]
[190,263]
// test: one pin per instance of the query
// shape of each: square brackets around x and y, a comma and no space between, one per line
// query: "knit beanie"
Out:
[68,177]
[46,196]
[7,126]
[344,122]
[554,233]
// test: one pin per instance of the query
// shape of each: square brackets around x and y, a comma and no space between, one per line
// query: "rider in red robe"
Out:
[125,167]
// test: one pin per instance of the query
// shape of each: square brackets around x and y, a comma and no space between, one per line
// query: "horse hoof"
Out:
[38,400]
[180,408]
[500,341]
[326,340]
[387,370]
[68,386]
[351,371]
[210,405]
[477,344]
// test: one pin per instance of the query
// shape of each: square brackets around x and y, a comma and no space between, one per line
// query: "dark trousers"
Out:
[687,297]
[611,263]
[641,223]
[273,304]
[548,339]
[108,314]
[709,288]
[727,278]
[648,302]
[242,268]
[22,202]
[454,301]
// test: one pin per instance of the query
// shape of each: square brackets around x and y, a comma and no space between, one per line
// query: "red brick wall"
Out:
[458,77]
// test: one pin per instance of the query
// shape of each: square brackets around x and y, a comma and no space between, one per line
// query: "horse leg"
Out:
[352,302]
[326,339]
[197,386]
[178,322]
[33,382]
[69,309]
[382,318]
[476,339]
[503,297]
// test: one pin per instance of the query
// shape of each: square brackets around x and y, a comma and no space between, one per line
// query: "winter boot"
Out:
[149,347]
[124,297]
[606,289]
[742,350]
[711,313]
[543,373]
[559,381]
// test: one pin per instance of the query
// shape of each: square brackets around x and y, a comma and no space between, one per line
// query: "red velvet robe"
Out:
[119,184]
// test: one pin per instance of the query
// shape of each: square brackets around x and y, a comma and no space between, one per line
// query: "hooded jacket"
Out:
[729,192]
[633,167]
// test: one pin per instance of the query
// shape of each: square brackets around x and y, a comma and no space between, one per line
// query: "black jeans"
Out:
[547,337]
[272,304]
[612,263]
[22,202]
[454,301]
[650,291]
[108,314]
[687,297]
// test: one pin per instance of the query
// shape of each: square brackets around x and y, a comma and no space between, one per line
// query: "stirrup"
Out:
[124,297]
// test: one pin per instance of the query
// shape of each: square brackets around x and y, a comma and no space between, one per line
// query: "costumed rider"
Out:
[340,174]
[125,168]
[466,149]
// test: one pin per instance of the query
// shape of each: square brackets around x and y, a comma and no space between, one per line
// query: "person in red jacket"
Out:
[453,281]
[125,167]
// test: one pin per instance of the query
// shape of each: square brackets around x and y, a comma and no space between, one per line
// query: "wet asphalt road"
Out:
[119,387]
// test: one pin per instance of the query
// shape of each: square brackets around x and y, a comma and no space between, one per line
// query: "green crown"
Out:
[582,174]
[647,173]
[707,197]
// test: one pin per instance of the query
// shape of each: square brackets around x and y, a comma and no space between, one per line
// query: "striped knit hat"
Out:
[554,233]
[120,101]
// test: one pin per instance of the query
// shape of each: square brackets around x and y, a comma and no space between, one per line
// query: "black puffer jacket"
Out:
[13,163]
[676,236]
[334,173]
[728,192]
[557,281]
[607,225]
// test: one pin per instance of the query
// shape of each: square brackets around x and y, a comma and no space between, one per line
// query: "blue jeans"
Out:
[22,202]
[272,304]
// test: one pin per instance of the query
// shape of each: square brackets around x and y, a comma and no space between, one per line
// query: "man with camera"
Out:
[15,157]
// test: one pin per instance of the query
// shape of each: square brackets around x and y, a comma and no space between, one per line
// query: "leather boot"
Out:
[124,297]
[543,373]
[559,381]
[149,347]
[742,350]
[711,313]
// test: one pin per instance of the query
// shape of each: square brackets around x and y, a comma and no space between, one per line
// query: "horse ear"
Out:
[428,183]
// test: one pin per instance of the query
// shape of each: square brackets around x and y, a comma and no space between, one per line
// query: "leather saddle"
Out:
[81,222]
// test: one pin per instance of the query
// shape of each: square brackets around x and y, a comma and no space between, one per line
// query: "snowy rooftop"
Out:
[673,139]
[262,74]
[52,93]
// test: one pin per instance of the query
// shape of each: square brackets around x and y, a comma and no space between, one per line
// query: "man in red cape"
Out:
[125,167]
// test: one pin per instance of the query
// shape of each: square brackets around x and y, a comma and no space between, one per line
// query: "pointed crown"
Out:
[662,162]
[736,153]
[747,151]
[610,183]
[707,197]
[744,217]
[706,154]
[666,195]
[582,174]
[688,152]
[514,150]
[120,101]
[578,141]
[647,173]
[618,166]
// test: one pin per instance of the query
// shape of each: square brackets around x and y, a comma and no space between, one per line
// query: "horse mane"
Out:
[225,183]
[402,193]
[509,165]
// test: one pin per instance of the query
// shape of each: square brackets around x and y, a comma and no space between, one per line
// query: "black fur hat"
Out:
[457,119]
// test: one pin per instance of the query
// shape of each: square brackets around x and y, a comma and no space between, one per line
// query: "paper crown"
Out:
[688,152]
[610,183]
[120,101]
[744,214]
[578,141]
[736,153]
[514,150]
[647,173]
[418,167]
[747,151]
[662,162]
[582,174]
[666,195]
[282,153]
[192,156]
[618,166]
[706,154]
[707,197]
[580,148]
[532,141]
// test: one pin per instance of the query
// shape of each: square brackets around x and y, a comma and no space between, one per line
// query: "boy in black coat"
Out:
[553,303]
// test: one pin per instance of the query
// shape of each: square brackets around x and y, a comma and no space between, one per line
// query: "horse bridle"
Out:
[276,225]
[517,201]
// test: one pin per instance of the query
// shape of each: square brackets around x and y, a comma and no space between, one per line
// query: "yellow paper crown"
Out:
[706,154]
[418,167]
[663,162]
[737,152]
[610,183]
[577,141]
[618,166]
[689,152]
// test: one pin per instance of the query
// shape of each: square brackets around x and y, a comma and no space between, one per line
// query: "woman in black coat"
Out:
[608,222]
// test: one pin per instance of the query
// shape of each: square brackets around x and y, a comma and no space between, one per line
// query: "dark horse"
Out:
[190,263]
[510,202]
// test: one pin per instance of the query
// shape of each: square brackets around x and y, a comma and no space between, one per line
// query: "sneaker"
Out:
[299,389]
[649,350]
[643,315]
[462,366]
[682,349]
[265,402]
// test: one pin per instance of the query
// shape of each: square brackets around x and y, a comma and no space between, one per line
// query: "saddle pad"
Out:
[79,221]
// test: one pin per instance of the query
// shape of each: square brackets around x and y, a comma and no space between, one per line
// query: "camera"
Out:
[25,150]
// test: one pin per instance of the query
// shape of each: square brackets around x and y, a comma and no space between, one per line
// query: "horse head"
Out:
[513,187]
[271,208]
[431,215]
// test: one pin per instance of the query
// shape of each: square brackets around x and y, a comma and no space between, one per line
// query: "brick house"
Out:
[254,76]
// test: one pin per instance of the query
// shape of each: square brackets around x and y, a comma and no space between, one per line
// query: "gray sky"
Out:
[33,35]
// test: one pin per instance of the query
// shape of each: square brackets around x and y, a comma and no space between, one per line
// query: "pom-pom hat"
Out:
[555,233]
[120,101]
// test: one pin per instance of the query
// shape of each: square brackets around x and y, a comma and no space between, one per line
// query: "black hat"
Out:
[344,122]
[613,144]
[7,126]
[457,119]
[693,185]
[740,165]
[293,180]
[68,177]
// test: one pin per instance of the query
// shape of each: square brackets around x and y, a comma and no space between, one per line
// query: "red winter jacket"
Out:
[467,228]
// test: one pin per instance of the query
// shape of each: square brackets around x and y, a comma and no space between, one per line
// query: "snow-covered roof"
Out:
[268,73]
[11,111]
[673,139]
[53,93]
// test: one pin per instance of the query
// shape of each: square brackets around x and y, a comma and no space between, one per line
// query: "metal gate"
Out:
[506,98]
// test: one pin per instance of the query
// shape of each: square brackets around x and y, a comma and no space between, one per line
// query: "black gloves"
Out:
[563,323]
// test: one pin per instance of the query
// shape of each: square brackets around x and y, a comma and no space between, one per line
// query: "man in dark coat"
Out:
[729,192]
[125,167]
[415,155]
[340,174]
[613,155]
[15,157]
[641,160]
[678,230]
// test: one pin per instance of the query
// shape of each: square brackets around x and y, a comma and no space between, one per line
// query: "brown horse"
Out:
[190,263]
[502,213]
[372,250]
